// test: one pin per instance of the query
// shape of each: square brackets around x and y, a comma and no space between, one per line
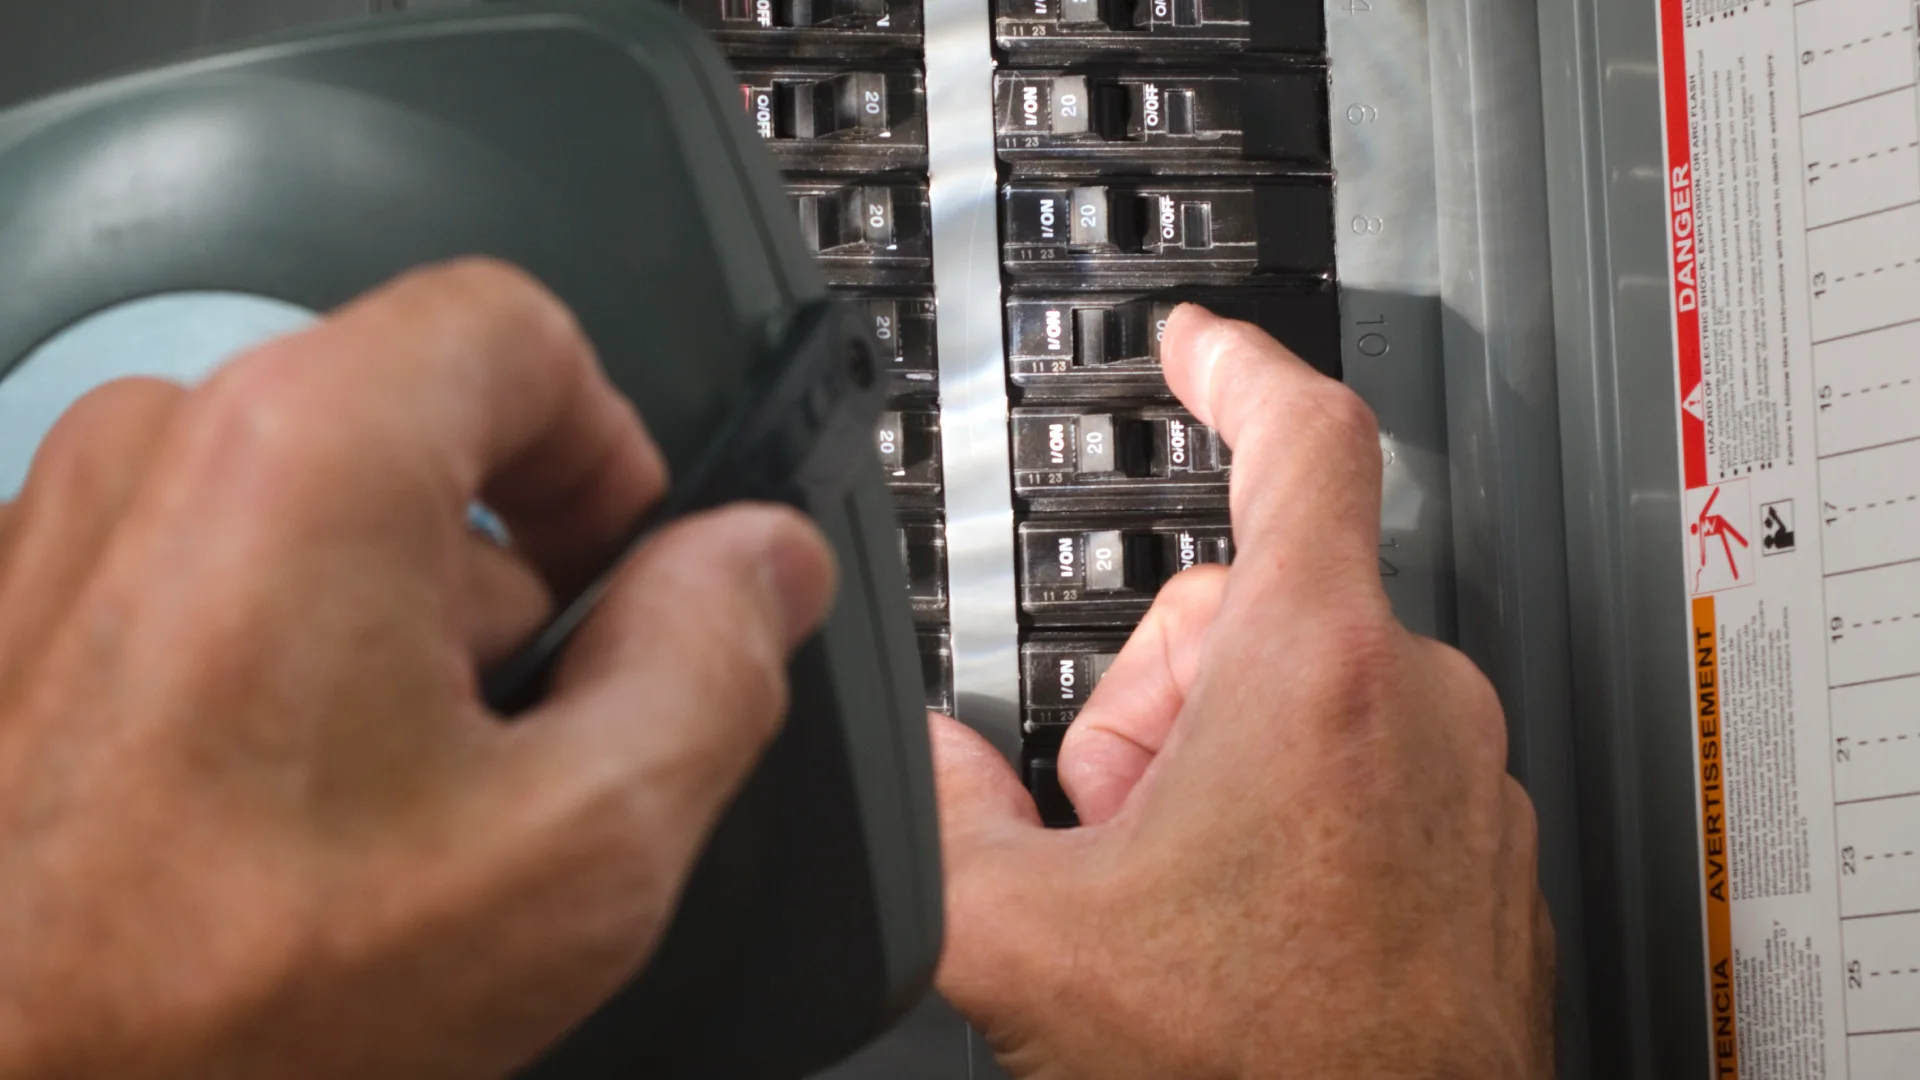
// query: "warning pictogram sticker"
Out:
[1720,525]
[1778,535]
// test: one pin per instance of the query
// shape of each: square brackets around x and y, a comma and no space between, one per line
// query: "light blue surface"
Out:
[181,337]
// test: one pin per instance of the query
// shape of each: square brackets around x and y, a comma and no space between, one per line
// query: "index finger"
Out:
[460,382]
[1306,450]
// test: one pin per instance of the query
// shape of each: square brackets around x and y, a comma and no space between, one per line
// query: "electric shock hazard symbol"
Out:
[1777,534]
[1720,524]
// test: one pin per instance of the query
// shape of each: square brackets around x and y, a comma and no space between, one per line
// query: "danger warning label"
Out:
[1792,180]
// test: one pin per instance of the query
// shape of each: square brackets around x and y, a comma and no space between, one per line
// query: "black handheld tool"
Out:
[798,434]
[600,146]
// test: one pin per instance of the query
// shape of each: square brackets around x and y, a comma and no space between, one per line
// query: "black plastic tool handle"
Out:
[805,427]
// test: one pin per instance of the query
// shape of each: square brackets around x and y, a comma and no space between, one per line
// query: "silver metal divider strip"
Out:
[973,379]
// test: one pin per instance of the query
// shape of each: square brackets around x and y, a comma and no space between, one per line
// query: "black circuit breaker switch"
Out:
[843,217]
[1124,562]
[903,328]
[853,102]
[1161,27]
[1156,121]
[1106,571]
[1091,224]
[818,120]
[833,12]
[923,551]
[1080,346]
[1156,233]
[1122,334]
[1097,456]
[1058,675]
[936,668]
[908,442]
[1056,809]
[1155,458]
[813,29]
[866,235]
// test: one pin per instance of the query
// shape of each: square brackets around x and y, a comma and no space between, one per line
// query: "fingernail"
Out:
[797,568]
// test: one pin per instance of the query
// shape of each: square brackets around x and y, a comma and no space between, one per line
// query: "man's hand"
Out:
[253,819]
[1302,856]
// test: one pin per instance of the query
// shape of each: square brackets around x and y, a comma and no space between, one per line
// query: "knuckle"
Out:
[1356,653]
[262,425]
[485,273]
[1523,822]
[480,283]
[1472,701]
[256,409]
[1337,412]
[1232,336]
[85,451]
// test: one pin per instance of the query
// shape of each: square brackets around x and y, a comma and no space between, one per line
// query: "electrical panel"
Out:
[1151,152]
[837,91]
[1144,153]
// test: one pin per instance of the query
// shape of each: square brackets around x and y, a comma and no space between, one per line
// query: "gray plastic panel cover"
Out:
[1601,90]
[1504,432]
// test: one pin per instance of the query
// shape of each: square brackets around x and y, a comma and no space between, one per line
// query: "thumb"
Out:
[979,791]
[671,691]
[1003,874]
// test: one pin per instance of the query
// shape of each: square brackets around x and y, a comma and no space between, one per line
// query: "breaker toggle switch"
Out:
[1106,574]
[819,109]
[1082,346]
[832,12]
[1163,121]
[1120,334]
[866,235]
[1161,27]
